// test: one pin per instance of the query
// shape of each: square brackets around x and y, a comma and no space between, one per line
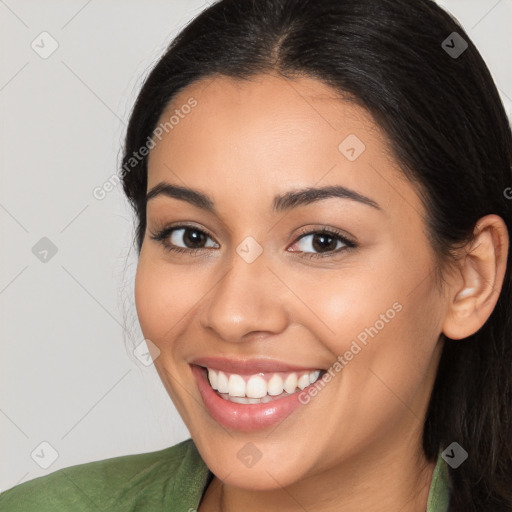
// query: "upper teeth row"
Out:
[257,386]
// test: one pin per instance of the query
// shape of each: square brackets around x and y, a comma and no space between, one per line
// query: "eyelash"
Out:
[162,235]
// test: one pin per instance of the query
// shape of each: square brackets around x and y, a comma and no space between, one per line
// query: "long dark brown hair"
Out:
[450,134]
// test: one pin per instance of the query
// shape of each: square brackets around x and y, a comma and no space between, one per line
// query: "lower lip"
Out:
[243,417]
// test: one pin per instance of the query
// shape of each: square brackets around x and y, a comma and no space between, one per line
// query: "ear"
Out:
[478,279]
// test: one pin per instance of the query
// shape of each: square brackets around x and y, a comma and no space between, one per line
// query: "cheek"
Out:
[383,344]
[385,315]
[166,298]
[147,294]
[353,303]
[160,298]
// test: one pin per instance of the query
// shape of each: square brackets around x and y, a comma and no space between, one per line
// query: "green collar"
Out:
[440,488]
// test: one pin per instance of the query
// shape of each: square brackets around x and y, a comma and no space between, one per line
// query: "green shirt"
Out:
[169,480]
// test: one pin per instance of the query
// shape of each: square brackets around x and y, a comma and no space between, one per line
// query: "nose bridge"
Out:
[245,300]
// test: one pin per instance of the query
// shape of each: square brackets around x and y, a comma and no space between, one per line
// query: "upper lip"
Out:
[248,366]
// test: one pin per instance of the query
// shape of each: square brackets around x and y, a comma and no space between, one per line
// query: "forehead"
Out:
[268,105]
[268,134]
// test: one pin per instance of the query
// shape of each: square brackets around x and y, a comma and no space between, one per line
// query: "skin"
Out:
[357,444]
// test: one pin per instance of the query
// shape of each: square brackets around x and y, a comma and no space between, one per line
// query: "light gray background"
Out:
[66,376]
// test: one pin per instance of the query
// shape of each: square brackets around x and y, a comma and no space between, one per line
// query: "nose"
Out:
[247,299]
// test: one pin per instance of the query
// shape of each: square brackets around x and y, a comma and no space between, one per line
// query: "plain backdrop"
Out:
[71,392]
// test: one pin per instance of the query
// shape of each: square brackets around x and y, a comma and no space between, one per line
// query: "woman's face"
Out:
[257,280]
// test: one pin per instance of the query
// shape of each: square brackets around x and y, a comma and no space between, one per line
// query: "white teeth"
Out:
[313,376]
[212,377]
[303,381]
[275,385]
[245,400]
[290,383]
[236,385]
[222,383]
[257,389]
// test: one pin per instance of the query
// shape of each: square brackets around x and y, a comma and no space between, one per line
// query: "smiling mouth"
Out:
[260,387]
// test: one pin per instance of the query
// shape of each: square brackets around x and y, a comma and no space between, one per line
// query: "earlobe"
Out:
[480,272]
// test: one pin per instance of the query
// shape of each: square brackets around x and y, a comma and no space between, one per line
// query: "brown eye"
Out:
[184,239]
[322,243]
[191,237]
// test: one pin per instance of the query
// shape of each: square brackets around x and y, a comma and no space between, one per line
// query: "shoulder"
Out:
[145,481]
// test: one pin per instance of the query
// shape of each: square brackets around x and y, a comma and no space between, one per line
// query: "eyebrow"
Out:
[281,203]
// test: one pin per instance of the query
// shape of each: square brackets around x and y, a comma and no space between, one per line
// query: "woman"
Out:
[324,276]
